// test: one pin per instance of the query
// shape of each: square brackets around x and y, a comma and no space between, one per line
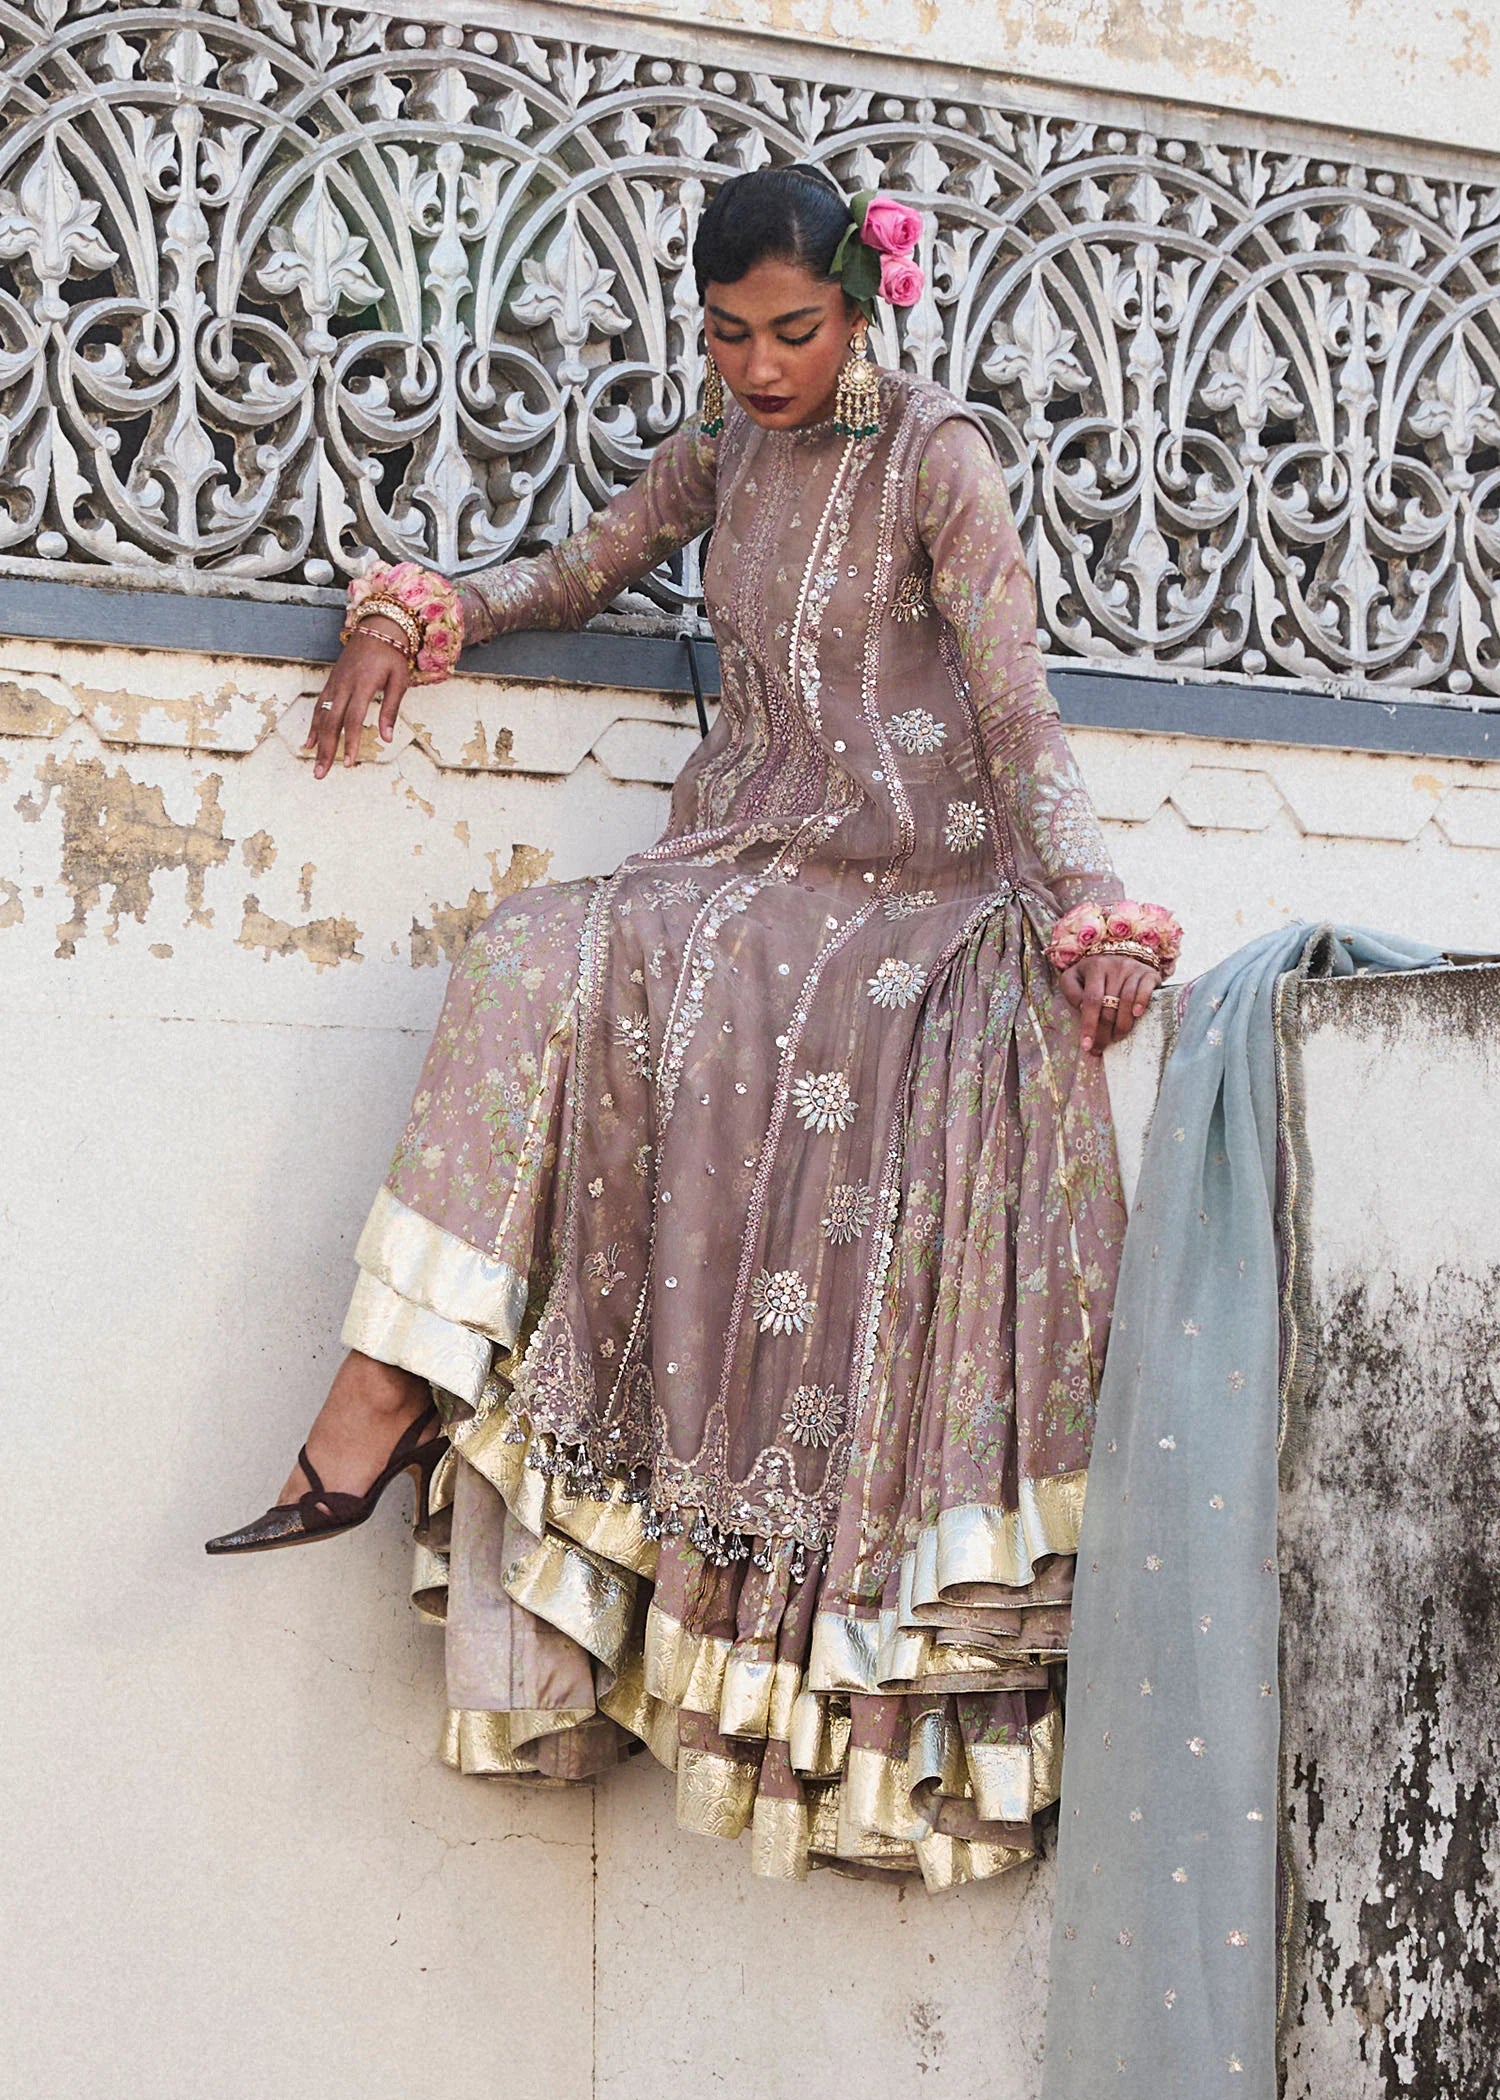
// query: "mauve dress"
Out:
[758,1217]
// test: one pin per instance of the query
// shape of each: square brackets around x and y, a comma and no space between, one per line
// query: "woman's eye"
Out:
[795,342]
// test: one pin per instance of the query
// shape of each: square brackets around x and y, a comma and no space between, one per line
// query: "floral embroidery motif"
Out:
[655,894]
[905,905]
[604,1269]
[780,1301]
[815,1415]
[894,983]
[634,1038]
[823,1101]
[917,731]
[910,601]
[965,828]
[848,1213]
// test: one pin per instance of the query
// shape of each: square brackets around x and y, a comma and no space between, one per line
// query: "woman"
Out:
[756,1222]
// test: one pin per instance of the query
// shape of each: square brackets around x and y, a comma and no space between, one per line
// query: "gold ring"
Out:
[324,705]
[1109,1000]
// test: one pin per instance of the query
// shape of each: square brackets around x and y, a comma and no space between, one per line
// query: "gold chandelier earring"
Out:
[713,397]
[856,401]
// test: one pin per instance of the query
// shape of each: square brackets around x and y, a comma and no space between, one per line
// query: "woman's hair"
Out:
[795,214]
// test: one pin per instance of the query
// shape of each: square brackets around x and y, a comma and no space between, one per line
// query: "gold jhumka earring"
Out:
[713,397]
[856,403]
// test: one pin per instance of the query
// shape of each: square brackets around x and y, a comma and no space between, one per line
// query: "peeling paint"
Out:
[258,852]
[442,938]
[31,710]
[118,836]
[226,719]
[12,910]
[479,753]
[305,883]
[324,942]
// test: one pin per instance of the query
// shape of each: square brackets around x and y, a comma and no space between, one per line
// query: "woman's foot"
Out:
[358,1425]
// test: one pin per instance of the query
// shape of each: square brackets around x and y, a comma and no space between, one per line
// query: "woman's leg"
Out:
[368,1406]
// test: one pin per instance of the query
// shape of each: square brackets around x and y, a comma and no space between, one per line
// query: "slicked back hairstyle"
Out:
[795,214]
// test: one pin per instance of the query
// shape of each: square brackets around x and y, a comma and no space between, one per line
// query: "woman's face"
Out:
[778,336]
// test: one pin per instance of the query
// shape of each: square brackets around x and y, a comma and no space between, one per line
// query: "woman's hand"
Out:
[372,666]
[1112,992]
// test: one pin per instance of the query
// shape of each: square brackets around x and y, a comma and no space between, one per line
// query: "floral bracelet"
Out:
[1146,933]
[433,603]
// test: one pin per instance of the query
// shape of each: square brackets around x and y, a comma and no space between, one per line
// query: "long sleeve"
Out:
[668,505]
[981,586]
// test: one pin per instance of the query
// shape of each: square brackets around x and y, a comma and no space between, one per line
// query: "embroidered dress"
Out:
[758,1215]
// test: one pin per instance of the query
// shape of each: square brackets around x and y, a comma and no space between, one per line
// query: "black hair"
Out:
[795,214]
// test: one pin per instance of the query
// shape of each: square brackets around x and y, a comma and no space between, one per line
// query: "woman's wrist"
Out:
[1143,933]
[425,609]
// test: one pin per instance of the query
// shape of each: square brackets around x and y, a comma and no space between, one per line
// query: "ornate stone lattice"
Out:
[281,284]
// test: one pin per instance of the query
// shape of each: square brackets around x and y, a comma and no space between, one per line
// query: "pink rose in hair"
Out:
[891,228]
[901,281]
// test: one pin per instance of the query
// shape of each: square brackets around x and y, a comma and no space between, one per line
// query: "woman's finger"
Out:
[395,692]
[354,721]
[1134,990]
[1093,989]
[326,695]
[327,716]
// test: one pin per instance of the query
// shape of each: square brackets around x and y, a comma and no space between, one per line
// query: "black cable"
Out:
[690,643]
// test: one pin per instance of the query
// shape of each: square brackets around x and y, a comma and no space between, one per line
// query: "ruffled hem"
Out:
[757,1742]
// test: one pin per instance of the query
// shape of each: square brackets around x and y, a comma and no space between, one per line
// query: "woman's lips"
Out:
[769,404]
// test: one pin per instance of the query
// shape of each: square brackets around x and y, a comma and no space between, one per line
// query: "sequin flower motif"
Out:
[815,1415]
[779,1300]
[917,731]
[906,903]
[965,828]
[894,983]
[848,1213]
[634,1038]
[824,1101]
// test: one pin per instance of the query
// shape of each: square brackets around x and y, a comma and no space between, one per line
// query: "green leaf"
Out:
[859,204]
[860,275]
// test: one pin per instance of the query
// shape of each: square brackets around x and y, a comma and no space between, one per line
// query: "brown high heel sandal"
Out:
[322,1512]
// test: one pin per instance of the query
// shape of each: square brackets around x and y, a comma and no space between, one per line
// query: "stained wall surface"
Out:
[1368,65]
[243,1869]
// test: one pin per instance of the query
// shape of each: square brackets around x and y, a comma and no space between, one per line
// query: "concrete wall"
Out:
[1367,65]
[240,1868]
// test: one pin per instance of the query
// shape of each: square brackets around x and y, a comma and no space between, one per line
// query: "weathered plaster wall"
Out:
[1425,72]
[1391,1548]
[243,1870]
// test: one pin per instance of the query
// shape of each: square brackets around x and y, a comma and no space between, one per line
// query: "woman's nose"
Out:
[762,368]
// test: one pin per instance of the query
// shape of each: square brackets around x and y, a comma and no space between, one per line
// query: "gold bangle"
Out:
[400,616]
[1137,951]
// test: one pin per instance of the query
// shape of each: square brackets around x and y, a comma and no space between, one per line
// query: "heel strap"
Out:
[413,1433]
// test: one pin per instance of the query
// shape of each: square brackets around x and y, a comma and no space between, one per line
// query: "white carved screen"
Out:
[282,284]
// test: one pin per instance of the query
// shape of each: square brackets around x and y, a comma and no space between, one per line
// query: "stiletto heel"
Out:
[322,1513]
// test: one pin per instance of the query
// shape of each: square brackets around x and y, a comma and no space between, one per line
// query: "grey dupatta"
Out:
[1164,1943]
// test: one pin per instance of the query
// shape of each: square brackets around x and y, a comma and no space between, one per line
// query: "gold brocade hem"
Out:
[441,1273]
[950,1810]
